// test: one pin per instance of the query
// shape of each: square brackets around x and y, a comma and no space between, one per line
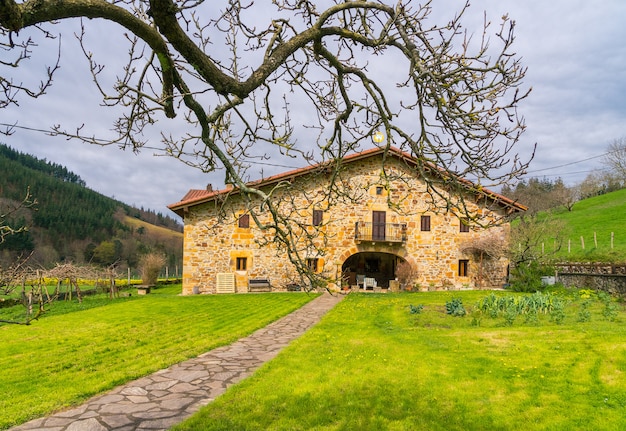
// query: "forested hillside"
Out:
[69,222]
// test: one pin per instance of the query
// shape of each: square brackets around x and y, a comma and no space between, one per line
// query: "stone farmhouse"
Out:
[382,233]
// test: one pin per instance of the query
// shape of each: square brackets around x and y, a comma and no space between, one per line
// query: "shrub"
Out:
[584,315]
[610,311]
[405,274]
[527,278]
[558,313]
[610,308]
[530,306]
[416,309]
[150,266]
[510,314]
[455,307]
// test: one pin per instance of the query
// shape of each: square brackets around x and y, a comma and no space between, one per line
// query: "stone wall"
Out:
[213,241]
[608,277]
[611,283]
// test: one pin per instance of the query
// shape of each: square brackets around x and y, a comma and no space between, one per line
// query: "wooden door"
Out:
[379,222]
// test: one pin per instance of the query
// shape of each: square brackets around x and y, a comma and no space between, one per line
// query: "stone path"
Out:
[167,397]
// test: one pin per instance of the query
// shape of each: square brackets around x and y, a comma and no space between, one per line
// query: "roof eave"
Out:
[181,207]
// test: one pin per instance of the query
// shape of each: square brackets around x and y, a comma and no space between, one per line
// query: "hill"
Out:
[595,229]
[71,222]
[160,234]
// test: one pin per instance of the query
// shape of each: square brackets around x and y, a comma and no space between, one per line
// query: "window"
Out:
[242,263]
[379,190]
[318,216]
[244,221]
[311,263]
[425,223]
[464,225]
[463,268]
[379,225]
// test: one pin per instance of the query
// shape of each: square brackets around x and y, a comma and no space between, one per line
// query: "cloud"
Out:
[575,60]
[576,63]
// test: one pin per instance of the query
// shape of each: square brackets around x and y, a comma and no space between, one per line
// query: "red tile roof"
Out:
[196,197]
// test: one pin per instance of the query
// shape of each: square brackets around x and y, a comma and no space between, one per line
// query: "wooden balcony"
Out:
[379,232]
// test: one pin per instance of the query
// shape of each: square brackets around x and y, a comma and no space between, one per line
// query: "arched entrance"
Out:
[376,265]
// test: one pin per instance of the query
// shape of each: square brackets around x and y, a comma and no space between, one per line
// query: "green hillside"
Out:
[71,222]
[603,216]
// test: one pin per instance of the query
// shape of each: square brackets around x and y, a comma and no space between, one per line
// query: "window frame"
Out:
[317,217]
[241,263]
[312,263]
[244,221]
[463,268]
[425,223]
[379,225]
[464,225]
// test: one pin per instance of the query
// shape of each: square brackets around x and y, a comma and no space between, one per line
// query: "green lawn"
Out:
[372,365]
[600,215]
[78,350]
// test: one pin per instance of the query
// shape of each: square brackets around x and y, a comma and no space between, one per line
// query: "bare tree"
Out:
[487,251]
[566,196]
[151,265]
[35,295]
[535,238]
[450,98]
[543,194]
[10,208]
[599,182]
[615,159]
[12,275]
[406,274]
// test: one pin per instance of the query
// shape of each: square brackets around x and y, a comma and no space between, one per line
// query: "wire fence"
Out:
[584,243]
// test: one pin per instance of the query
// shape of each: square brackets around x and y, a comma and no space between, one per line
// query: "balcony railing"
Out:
[379,232]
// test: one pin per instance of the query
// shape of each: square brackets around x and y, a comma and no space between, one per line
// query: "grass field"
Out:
[375,362]
[373,365]
[159,232]
[78,350]
[601,216]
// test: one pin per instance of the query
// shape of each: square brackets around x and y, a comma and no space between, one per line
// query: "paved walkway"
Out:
[167,397]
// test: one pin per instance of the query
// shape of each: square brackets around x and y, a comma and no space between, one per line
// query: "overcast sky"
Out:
[574,51]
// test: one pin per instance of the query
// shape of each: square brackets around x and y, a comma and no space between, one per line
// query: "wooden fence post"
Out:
[612,235]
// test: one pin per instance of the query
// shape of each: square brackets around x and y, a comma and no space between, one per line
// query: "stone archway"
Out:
[378,265]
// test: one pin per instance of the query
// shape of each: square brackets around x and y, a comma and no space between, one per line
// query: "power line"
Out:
[569,164]
[9,127]
[562,174]
[49,132]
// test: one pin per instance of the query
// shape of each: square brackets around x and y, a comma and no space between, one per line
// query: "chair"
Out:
[369,281]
